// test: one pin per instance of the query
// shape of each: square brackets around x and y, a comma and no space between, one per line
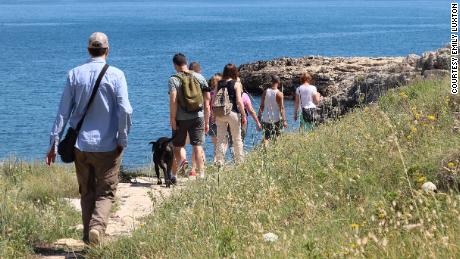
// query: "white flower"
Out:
[270,237]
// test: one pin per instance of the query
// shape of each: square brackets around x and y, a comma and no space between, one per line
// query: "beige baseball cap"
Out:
[98,40]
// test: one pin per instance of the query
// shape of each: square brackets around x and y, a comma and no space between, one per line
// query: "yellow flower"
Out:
[451,164]
[413,129]
[421,179]
[354,226]
[403,94]
[417,116]
[431,117]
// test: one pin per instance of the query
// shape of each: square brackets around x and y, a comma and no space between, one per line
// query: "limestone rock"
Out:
[69,244]
[429,187]
[345,82]
[435,73]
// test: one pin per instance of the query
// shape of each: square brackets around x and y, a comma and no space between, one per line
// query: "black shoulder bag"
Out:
[66,147]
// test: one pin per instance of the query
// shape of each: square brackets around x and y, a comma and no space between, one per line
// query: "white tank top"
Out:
[271,112]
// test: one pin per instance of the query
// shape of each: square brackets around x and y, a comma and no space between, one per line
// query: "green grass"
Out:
[349,188]
[32,209]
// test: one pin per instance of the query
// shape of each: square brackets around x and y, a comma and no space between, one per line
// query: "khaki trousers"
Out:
[233,121]
[97,175]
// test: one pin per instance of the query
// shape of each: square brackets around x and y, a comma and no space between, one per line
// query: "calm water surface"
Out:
[41,40]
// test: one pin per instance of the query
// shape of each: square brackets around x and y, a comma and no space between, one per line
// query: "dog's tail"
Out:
[152,143]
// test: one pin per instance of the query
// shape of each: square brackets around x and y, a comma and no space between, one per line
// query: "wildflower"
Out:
[431,117]
[451,164]
[354,226]
[270,237]
[421,179]
[413,129]
[402,94]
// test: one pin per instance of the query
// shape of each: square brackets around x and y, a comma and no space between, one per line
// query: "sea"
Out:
[40,40]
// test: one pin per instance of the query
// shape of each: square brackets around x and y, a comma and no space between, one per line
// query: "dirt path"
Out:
[133,203]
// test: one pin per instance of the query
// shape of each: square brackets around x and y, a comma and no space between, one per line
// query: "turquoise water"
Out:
[41,40]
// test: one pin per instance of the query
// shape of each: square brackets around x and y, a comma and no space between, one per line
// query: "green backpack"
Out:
[190,96]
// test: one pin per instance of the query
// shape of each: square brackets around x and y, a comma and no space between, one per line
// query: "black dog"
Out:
[163,156]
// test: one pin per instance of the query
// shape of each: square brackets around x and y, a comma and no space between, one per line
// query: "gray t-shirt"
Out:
[175,85]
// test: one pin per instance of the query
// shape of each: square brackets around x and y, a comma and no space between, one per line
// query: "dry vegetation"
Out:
[349,188]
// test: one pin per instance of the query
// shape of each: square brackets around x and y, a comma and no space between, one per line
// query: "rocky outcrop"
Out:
[346,82]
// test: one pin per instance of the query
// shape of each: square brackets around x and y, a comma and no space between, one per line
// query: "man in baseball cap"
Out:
[98,40]
[98,44]
[102,134]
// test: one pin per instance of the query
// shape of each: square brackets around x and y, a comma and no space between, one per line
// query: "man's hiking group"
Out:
[95,104]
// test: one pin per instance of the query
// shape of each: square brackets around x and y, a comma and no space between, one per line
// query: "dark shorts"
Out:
[195,130]
[272,130]
[310,115]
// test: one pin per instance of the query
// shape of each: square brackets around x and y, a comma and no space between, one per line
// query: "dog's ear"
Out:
[153,143]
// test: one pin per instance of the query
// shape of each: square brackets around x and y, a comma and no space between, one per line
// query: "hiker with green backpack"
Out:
[228,110]
[189,113]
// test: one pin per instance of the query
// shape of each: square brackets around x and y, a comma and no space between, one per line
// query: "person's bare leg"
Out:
[179,155]
[194,160]
[198,150]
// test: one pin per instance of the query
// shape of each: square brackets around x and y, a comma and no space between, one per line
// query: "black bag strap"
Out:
[93,94]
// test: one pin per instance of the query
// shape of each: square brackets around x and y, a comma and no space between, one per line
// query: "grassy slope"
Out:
[31,206]
[350,187]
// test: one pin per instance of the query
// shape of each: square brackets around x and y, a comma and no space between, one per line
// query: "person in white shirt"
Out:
[307,97]
[272,112]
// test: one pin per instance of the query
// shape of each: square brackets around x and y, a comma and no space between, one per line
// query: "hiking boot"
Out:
[192,173]
[94,237]
[183,167]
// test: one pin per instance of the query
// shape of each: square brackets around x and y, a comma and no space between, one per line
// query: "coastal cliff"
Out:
[346,82]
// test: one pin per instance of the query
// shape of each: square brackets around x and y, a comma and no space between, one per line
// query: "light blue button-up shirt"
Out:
[108,120]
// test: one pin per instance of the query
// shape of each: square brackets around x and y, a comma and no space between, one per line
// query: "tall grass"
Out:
[32,209]
[349,188]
